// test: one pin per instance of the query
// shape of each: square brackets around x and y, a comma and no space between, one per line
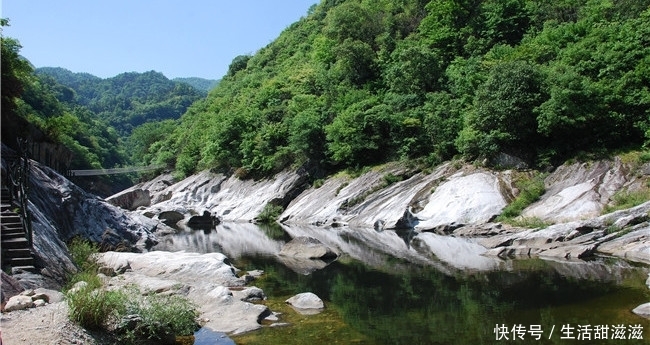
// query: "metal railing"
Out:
[18,185]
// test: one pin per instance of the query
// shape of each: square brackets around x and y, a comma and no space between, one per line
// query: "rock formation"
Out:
[208,280]
[60,211]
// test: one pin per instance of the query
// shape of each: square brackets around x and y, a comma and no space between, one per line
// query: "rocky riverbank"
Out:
[444,217]
[453,199]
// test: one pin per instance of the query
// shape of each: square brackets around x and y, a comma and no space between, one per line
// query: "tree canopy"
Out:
[359,82]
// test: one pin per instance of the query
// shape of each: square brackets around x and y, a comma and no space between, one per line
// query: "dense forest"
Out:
[199,83]
[357,83]
[126,100]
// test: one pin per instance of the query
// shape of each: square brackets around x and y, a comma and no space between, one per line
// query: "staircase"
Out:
[16,249]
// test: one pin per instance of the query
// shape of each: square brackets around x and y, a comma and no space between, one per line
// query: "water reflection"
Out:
[411,288]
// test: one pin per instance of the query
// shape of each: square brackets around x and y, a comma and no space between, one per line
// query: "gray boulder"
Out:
[643,310]
[170,217]
[208,280]
[307,248]
[60,211]
[581,190]
[19,302]
[130,199]
[471,198]
[306,303]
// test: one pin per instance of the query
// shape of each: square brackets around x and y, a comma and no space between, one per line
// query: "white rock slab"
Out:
[463,199]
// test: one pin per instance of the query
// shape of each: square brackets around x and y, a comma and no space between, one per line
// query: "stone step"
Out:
[11,235]
[13,224]
[18,253]
[9,228]
[22,269]
[9,218]
[21,262]
[15,243]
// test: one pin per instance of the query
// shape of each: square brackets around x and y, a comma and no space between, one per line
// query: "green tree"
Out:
[504,116]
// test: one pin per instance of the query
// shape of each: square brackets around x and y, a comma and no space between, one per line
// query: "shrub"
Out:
[95,308]
[270,213]
[530,191]
[81,251]
[160,316]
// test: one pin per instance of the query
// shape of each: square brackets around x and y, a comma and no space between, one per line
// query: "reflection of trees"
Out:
[422,308]
[428,307]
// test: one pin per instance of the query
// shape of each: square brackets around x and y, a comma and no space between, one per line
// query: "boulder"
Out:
[10,287]
[643,310]
[53,296]
[206,221]
[304,266]
[60,211]
[306,303]
[227,198]
[579,191]
[634,245]
[130,199]
[19,302]
[170,217]
[250,294]
[307,248]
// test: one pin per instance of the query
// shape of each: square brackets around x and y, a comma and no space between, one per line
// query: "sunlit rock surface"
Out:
[467,199]
[625,234]
[451,199]
[228,198]
[581,190]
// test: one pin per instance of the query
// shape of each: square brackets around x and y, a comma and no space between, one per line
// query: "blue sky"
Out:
[180,38]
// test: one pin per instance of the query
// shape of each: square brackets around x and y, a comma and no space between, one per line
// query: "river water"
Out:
[418,288]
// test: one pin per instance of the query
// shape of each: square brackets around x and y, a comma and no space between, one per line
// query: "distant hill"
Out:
[199,83]
[128,99]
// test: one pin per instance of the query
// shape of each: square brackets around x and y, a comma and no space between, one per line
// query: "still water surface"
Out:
[407,288]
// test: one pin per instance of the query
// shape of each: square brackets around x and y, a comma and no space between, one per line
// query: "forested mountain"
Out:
[199,83]
[129,99]
[360,82]
[89,116]
[34,106]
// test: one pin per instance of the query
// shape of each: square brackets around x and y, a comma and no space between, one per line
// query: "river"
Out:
[417,288]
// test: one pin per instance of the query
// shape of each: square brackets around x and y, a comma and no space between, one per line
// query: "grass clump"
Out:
[95,309]
[270,213]
[129,316]
[81,251]
[530,191]
[158,317]
[625,199]
[529,222]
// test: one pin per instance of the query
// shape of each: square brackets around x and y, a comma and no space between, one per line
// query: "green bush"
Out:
[270,213]
[81,251]
[161,316]
[94,308]
[530,191]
